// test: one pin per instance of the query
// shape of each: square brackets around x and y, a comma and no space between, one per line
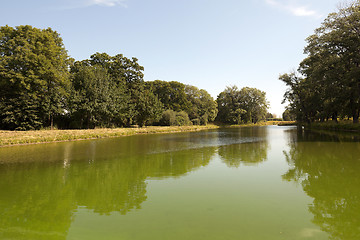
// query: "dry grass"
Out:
[8,138]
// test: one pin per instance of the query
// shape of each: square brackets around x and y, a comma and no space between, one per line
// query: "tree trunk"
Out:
[334,117]
[52,122]
[356,116]
[88,121]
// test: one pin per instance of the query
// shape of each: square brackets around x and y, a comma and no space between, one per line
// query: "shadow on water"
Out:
[327,166]
[42,186]
[303,135]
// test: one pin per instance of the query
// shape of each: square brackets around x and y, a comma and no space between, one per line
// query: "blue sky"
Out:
[206,43]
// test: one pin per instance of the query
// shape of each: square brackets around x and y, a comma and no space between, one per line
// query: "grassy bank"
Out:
[335,126]
[8,138]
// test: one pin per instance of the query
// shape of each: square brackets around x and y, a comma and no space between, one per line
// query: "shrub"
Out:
[168,118]
[195,121]
[204,119]
[182,119]
[172,118]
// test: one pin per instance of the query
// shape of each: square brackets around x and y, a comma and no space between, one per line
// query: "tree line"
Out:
[327,83]
[41,86]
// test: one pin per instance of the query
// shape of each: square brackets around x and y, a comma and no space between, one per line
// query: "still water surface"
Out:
[248,183]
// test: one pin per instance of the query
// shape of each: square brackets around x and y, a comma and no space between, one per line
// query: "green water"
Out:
[249,183]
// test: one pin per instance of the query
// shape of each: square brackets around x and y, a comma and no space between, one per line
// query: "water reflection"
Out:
[42,186]
[251,147]
[248,154]
[328,172]
[38,199]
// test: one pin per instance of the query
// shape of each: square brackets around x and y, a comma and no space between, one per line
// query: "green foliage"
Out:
[172,118]
[229,106]
[329,85]
[288,115]
[247,105]
[168,118]
[182,119]
[196,121]
[40,86]
[202,105]
[33,77]
[269,115]
[197,103]
[96,100]
[127,74]
[149,108]
[109,91]
[171,94]
[253,101]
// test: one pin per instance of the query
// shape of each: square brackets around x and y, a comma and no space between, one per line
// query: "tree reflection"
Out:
[247,146]
[38,199]
[329,173]
[248,154]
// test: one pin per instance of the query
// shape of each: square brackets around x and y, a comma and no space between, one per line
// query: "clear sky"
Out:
[210,44]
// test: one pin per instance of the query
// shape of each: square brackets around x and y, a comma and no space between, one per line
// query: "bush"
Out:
[172,118]
[182,119]
[168,118]
[204,119]
[195,121]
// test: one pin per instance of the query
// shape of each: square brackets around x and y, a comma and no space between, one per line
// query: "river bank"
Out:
[343,125]
[9,138]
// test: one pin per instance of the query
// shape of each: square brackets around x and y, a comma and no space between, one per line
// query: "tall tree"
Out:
[149,108]
[171,94]
[245,105]
[33,77]
[254,102]
[96,99]
[229,106]
[202,105]
[128,73]
[330,85]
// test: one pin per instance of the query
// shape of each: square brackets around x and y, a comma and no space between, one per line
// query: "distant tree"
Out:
[245,105]
[202,105]
[127,101]
[288,115]
[229,106]
[96,99]
[171,94]
[127,73]
[253,101]
[149,108]
[269,115]
[33,77]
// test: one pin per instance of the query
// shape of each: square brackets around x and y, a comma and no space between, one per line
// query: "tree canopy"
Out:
[33,77]
[178,97]
[328,85]
[42,87]
[248,105]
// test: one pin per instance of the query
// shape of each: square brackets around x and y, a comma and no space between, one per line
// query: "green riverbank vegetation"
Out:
[340,125]
[326,85]
[42,87]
